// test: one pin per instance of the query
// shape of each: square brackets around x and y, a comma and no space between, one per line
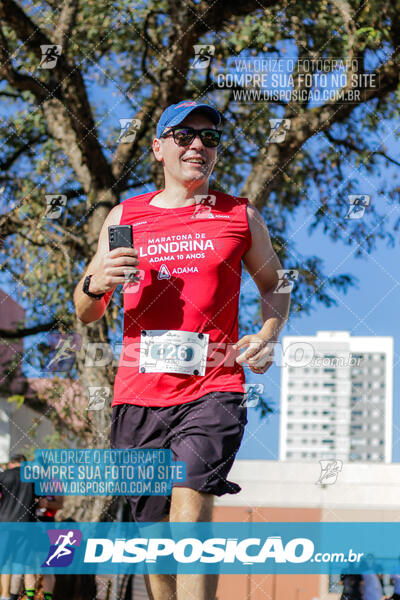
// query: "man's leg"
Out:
[30,584]
[15,586]
[49,582]
[190,505]
[161,586]
[5,579]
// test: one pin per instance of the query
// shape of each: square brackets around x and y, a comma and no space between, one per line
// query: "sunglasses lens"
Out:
[183,137]
[210,137]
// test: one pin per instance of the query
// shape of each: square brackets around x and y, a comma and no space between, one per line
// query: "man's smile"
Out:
[196,160]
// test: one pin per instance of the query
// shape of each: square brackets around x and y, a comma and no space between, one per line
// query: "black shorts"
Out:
[205,433]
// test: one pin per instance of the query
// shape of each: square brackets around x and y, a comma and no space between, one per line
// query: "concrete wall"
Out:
[289,484]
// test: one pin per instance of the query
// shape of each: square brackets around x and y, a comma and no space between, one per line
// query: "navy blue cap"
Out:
[174,114]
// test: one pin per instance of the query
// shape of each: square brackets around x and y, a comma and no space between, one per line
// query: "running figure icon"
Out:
[62,550]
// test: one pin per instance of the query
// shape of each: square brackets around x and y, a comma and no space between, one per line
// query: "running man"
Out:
[185,392]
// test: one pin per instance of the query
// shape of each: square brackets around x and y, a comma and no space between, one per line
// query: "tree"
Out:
[61,141]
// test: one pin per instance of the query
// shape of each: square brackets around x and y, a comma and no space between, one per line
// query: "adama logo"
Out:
[164,272]
[61,551]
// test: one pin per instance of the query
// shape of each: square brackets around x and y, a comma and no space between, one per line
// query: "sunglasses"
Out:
[183,136]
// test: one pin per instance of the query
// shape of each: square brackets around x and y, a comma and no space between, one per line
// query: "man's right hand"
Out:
[112,269]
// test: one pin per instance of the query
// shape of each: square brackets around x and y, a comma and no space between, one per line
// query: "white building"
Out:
[336,397]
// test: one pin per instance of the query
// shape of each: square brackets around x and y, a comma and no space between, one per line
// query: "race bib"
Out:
[171,351]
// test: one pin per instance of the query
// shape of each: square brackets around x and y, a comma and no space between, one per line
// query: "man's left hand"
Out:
[260,352]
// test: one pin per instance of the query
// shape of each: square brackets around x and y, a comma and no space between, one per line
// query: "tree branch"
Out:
[9,224]
[66,23]
[66,108]
[124,152]
[351,146]
[26,30]
[17,80]
[10,160]
[10,95]
[212,16]
[27,331]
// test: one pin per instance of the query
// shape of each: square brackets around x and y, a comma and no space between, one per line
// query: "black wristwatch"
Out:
[86,284]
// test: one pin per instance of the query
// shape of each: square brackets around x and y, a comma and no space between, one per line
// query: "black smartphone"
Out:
[120,236]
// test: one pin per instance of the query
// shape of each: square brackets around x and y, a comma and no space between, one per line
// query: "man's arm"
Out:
[107,270]
[262,264]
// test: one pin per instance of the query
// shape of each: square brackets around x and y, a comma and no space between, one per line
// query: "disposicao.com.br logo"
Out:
[223,547]
[212,550]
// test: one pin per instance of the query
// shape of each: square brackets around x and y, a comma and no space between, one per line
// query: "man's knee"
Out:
[190,505]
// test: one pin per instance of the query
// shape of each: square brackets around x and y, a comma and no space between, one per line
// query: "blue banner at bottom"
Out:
[233,548]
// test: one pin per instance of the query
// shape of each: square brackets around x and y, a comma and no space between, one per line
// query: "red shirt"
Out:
[190,261]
